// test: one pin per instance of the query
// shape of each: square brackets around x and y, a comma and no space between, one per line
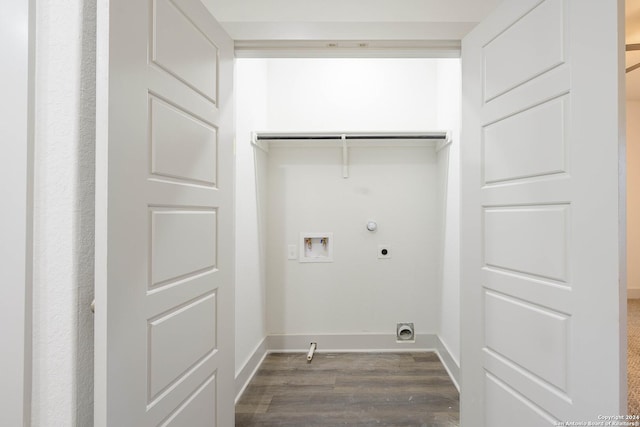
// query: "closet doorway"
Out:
[293,186]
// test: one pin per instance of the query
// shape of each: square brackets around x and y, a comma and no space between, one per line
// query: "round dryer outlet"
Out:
[404,332]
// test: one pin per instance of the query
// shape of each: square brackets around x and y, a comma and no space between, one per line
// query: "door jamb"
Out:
[17,172]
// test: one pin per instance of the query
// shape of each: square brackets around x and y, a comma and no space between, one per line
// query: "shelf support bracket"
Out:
[259,144]
[345,157]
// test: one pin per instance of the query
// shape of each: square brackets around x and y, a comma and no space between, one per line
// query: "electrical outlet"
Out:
[384,251]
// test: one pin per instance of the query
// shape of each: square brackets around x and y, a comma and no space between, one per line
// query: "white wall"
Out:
[633,198]
[449,184]
[64,214]
[357,293]
[251,104]
[352,95]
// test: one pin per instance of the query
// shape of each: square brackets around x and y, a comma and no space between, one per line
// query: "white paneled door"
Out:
[164,214]
[541,288]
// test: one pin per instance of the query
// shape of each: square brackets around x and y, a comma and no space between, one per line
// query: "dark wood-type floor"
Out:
[350,389]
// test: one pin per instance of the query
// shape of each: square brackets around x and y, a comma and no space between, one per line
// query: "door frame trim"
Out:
[18,85]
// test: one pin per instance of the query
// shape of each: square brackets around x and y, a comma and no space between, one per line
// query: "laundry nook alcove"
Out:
[298,213]
[325,148]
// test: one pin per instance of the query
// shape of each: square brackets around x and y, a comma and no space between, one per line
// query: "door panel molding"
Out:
[164,216]
[540,276]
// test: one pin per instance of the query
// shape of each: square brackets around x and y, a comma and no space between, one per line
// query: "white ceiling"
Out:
[349,19]
[351,10]
[374,20]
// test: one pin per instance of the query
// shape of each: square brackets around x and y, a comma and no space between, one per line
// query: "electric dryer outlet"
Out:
[384,251]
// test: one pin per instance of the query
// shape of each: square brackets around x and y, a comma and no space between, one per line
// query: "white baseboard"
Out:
[633,293]
[450,364]
[350,343]
[244,376]
[343,344]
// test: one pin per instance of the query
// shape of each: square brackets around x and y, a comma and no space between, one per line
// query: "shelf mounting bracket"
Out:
[345,157]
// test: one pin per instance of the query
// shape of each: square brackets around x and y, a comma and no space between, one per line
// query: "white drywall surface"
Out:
[63,214]
[449,191]
[357,293]
[251,104]
[352,95]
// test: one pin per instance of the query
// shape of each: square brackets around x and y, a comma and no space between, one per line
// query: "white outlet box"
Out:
[384,251]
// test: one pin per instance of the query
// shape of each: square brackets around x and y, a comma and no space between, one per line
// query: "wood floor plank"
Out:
[354,389]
